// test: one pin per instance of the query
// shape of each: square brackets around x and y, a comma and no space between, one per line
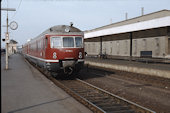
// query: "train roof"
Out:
[61,29]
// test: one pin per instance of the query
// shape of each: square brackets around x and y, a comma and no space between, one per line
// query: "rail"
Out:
[96,99]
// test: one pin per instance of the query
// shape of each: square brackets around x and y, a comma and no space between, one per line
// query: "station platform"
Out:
[25,90]
[152,68]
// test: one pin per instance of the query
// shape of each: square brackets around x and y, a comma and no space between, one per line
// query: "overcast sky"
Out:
[35,16]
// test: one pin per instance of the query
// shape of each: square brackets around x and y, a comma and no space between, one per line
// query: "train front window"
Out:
[78,41]
[56,42]
[68,42]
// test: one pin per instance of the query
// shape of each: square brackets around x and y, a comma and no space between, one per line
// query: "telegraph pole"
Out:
[7,34]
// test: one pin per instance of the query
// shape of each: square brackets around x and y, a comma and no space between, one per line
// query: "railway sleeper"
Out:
[109,104]
[93,98]
[122,111]
[92,95]
[75,88]
[82,91]
[114,108]
[96,95]
[96,101]
[106,103]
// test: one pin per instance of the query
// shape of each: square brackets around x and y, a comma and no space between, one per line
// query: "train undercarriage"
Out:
[65,69]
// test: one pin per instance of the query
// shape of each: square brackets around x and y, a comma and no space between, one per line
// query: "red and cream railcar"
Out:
[59,49]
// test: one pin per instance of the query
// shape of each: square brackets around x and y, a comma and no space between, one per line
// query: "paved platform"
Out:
[154,69]
[26,90]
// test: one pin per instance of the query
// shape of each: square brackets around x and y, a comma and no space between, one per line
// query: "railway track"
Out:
[99,100]
[96,99]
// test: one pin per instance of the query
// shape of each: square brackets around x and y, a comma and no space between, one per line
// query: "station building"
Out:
[144,36]
[12,47]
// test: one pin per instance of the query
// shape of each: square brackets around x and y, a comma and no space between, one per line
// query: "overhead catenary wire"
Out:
[17,9]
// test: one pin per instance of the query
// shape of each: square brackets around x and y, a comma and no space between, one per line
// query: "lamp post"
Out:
[7,34]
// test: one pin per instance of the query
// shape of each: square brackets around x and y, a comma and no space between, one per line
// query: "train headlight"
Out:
[80,55]
[67,29]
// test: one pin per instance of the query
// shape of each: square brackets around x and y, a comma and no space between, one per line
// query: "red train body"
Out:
[59,50]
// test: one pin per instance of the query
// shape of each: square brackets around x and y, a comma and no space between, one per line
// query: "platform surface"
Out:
[25,90]
[154,69]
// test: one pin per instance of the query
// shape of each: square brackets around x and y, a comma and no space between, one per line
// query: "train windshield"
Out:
[68,42]
[56,42]
[78,41]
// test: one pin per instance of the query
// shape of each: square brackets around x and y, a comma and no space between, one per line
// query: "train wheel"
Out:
[74,75]
[53,74]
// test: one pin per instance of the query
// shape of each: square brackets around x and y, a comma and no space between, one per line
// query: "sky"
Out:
[35,16]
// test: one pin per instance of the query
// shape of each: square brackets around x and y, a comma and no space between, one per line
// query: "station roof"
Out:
[13,41]
[148,21]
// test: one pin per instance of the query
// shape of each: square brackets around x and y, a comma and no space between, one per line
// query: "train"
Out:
[58,50]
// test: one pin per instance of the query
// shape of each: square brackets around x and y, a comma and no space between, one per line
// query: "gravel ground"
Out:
[148,91]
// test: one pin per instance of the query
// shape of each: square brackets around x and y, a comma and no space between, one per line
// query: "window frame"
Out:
[74,39]
[55,37]
[81,41]
[69,37]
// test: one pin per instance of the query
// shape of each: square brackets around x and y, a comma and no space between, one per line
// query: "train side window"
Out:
[55,42]
[79,42]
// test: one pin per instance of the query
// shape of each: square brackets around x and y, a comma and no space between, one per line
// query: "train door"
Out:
[45,45]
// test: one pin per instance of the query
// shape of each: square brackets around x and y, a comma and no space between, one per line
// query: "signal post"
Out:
[7,34]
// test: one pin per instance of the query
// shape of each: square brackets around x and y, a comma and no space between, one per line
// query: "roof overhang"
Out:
[150,24]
